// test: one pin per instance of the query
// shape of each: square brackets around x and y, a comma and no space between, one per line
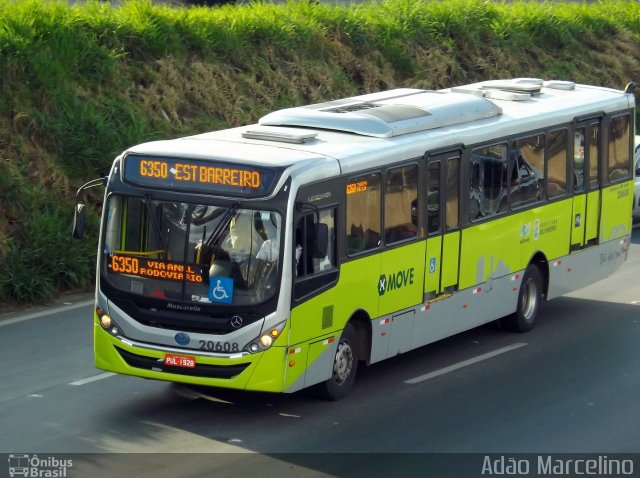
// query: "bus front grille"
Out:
[200,370]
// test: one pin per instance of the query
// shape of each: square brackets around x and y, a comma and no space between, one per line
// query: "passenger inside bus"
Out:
[236,256]
[270,249]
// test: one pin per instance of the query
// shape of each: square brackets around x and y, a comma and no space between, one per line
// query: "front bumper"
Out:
[258,372]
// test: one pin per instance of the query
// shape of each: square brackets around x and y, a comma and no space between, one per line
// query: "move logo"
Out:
[387,283]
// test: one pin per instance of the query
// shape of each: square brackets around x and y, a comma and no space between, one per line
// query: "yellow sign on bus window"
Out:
[357,187]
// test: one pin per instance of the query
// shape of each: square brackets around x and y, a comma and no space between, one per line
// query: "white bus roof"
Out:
[363,131]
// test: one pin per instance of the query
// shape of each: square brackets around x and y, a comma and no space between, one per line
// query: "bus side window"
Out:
[433,197]
[401,193]
[363,213]
[527,170]
[315,243]
[488,194]
[557,163]
[594,156]
[579,143]
[452,214]
[619,166]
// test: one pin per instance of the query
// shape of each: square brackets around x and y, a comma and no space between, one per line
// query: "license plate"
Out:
[183,361]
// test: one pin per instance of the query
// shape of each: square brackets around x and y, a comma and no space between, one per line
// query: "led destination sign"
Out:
[197,176]
[155,269]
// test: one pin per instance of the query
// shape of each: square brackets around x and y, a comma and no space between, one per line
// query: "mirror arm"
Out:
[91,184]
[305,205]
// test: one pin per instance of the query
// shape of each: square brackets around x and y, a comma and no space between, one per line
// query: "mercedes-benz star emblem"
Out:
[236,321]
[182,339]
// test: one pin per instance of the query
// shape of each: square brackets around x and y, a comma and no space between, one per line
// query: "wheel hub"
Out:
[343,363]
[529,300]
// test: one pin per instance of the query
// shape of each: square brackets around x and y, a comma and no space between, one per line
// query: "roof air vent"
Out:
[350,108]
[282,135]
[388,114]
[530,86]
[560,85]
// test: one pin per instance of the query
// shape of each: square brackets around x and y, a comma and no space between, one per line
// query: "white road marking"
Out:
[42,313]
[95,378]
[214,399]
[288,415]
[465,363]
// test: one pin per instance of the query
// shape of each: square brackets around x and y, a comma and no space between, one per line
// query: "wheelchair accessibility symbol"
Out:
[221,290]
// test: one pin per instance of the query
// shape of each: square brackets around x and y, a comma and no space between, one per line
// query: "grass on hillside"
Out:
[81,83]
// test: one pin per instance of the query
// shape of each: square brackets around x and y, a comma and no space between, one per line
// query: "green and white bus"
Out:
[280,255]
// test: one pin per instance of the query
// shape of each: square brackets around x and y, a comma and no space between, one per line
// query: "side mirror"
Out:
[79,221]
[320,240]
[80,213]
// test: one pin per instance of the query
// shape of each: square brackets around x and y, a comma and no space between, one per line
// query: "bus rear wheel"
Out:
[345,366]
[529,301]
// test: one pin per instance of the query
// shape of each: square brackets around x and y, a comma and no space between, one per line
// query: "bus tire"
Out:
[345,366]
[529,301]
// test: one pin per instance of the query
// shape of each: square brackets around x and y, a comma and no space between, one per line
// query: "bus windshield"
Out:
[191,252]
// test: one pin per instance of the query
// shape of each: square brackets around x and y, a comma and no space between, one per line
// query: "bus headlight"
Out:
[105,321]
[108,324]
[266,339]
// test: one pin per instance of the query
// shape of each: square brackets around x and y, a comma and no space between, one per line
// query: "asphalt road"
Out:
[572,385]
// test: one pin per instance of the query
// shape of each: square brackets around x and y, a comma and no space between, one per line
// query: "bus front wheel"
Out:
[529,301]
[345,366]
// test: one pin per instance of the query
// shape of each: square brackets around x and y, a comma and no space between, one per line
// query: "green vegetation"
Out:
[79,84]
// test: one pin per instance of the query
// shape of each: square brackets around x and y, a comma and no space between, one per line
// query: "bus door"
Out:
[442,259]
[586,199]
